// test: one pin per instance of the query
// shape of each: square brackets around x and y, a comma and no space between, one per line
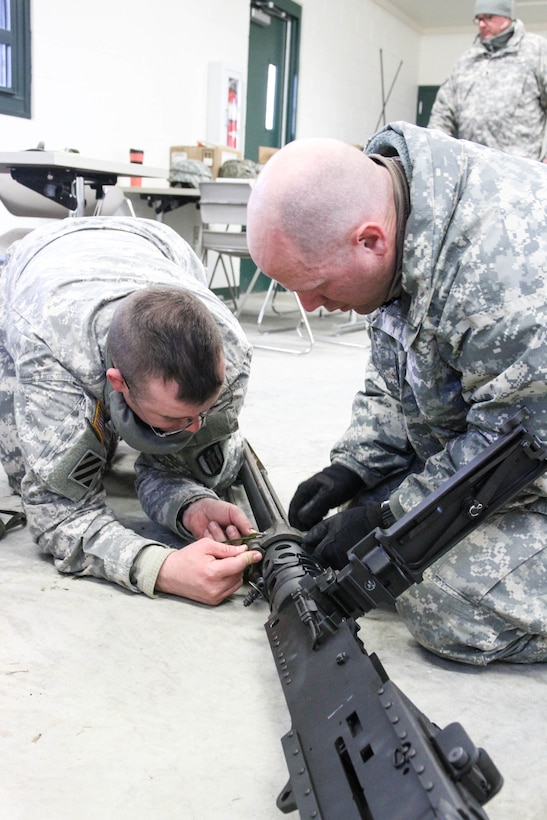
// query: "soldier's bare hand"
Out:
[213,518]
[205,571]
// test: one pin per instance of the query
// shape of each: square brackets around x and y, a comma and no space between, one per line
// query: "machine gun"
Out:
[358,748]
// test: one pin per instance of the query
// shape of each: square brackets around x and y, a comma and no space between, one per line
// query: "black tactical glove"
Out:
[315,497]
[330,540]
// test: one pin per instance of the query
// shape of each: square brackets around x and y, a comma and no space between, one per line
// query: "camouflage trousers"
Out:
[10,452]
[486,599]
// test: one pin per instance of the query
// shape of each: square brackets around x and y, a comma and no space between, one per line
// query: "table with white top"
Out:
[62,175]
[162,198]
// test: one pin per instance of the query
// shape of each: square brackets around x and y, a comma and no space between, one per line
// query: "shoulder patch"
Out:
[85,471]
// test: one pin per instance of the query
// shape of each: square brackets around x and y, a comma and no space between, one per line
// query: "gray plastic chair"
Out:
[223,206]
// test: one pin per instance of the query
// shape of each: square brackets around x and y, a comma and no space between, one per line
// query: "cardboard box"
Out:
[212,155]
[264,153]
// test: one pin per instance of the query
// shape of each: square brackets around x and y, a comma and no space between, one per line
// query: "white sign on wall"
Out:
[225,106]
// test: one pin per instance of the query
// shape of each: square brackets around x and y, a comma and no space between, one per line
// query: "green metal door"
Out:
[265,87]
[426,98]
[272,75]
[272,83]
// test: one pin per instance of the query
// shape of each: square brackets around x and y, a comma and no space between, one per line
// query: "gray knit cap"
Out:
[505,8]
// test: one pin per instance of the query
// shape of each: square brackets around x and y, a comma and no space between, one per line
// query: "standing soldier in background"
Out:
[496,94]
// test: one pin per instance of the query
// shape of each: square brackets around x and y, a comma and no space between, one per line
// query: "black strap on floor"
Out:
[17,519]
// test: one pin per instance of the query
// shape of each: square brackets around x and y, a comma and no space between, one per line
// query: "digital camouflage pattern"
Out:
[239,169]
[498,98]
[188,173]
[58,291]
[451,360]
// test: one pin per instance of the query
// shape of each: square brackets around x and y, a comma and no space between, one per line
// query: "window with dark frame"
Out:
[15,58]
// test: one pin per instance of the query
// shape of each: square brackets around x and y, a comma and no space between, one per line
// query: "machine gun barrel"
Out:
[265,505]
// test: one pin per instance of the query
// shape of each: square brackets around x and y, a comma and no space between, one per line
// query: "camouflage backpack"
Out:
[188,173]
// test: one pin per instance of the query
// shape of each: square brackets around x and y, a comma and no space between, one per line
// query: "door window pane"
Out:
[5,18]
[5,66]
[270,97]
[15,57]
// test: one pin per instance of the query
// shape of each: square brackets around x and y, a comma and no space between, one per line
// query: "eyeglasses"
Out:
[212,411]
[203,416]
[482,18]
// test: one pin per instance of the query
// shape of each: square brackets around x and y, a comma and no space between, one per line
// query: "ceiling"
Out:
[440,15]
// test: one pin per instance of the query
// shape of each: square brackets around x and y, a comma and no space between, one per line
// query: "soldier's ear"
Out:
[116,379]
[372,236]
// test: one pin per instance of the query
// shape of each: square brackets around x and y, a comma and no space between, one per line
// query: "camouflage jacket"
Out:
[465,344]
[498,98]
[60,287]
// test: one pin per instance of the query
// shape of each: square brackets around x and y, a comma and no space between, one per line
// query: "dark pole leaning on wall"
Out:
[385,100]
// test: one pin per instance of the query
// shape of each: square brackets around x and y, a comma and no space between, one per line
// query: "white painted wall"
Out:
[116,74]
[340,69]
[439,52]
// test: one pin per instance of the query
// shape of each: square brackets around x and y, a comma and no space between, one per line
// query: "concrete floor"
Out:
[115,706]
